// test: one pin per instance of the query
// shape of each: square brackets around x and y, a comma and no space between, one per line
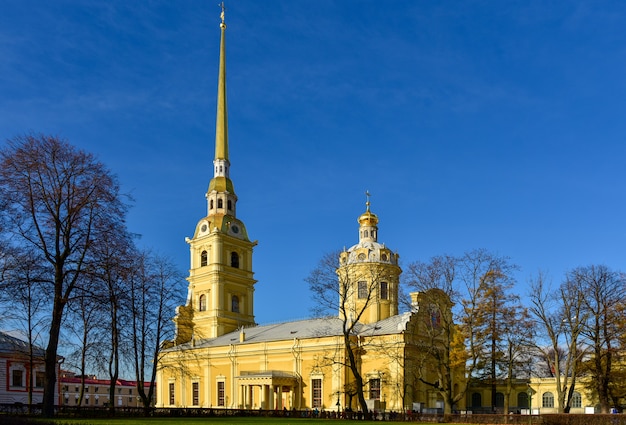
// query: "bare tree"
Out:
[115,255]
[477,284]
[442,342]
[604,308]
[518,337]
[19,292]
[561,317]
[84,318]
[155,285]
[350,290]
[57,201]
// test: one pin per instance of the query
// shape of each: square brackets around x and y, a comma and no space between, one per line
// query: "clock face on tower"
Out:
[234,228]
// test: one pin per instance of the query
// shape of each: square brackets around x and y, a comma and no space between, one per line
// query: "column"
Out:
[279,397]
[271,404]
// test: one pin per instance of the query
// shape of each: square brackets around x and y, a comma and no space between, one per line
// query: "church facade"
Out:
[220,358]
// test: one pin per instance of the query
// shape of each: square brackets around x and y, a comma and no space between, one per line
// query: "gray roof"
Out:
[11,344]
[304,329]
[392,325]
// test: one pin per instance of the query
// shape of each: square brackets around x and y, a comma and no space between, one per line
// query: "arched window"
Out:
[577,400]
[203,259]
[202,303]
[365,233]
[234,259]
[499,400]
[522,400]
[220,203]
[547,400]
[211,204]
[229,203]
[235,304]
[477,400]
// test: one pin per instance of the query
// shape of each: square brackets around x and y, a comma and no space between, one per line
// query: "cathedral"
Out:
[221,358]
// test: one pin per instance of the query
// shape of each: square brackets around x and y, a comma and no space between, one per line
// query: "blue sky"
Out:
[473,124]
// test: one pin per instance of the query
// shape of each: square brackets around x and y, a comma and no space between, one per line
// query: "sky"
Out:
[473,124]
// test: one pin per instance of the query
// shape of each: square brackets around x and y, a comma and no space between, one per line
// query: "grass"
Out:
[198,421]
[216,421]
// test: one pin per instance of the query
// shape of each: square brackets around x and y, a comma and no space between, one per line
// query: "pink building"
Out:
[20,375]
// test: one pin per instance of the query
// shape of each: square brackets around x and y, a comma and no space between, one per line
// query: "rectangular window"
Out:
[316,395]
[172,400]
[40,378]
[195,394]
[17,378]
[362,289]
[374,389]
[220,394]
[384,291]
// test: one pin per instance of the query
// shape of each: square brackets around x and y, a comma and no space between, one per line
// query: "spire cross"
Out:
[223,10]
[367,201]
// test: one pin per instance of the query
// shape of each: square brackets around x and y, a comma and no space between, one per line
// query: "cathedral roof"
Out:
[305,329]
[391,325]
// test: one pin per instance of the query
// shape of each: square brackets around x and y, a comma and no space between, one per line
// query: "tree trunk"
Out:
[51,358]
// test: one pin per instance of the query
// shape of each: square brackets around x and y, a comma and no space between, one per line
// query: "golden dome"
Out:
[368,218]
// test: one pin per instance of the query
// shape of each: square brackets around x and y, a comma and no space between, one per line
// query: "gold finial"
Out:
[223,23]
[367,200]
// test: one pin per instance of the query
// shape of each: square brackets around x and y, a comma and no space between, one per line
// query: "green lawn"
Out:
[217,421]
[213,420]
[198,421]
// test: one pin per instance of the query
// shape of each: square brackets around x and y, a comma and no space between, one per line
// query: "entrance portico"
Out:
[269,390]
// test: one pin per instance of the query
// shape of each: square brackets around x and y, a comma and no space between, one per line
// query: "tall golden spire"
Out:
[221,125]
[221,186]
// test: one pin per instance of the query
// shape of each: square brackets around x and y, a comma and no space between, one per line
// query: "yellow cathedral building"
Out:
[220,358]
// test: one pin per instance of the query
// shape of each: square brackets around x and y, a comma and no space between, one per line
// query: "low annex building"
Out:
[89,391]
[22,371]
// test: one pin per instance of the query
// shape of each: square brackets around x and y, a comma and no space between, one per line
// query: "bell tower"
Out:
[369,274]
[220,296]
